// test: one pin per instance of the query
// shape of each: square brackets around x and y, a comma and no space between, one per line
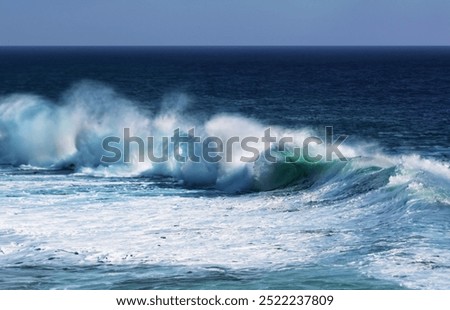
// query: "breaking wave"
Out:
[36,133]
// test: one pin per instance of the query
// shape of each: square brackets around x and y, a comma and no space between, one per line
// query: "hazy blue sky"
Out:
[224,22]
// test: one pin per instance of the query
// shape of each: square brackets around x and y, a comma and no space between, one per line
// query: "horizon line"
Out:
[224,45]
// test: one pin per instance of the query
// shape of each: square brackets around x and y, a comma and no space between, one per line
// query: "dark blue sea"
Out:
[374,216]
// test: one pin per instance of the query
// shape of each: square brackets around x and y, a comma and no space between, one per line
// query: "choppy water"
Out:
[378,221]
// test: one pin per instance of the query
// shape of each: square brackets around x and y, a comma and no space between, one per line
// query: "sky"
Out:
[224,22]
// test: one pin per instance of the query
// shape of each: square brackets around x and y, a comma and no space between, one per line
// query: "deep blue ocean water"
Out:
[379,220]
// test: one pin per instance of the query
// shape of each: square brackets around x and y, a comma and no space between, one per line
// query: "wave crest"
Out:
[37,132]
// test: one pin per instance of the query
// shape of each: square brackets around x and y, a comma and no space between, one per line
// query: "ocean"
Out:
[375,217]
